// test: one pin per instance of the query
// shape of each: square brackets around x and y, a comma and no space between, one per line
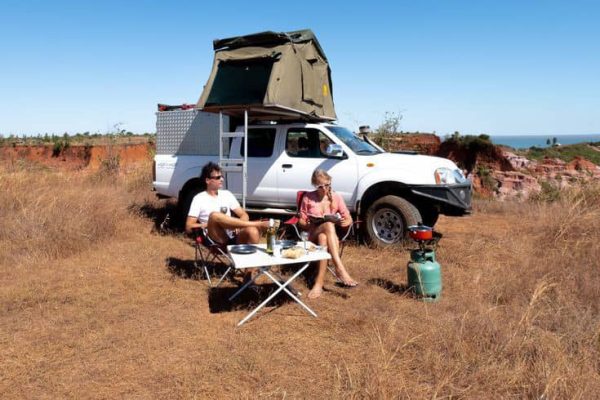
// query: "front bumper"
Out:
[450,199]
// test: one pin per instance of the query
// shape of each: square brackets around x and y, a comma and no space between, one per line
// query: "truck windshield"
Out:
[355,143]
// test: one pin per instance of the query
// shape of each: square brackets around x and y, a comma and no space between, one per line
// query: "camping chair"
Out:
[290,229]
[214,252]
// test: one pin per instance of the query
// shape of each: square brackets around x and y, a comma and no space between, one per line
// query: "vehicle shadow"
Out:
[163,217]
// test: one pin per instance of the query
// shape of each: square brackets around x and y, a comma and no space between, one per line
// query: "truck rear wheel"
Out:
[387,219]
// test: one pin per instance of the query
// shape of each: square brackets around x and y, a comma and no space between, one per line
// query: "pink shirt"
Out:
[311,205]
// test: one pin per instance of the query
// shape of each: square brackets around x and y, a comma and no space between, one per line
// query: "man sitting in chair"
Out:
[211,209]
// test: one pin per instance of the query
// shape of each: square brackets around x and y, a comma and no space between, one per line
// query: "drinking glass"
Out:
[304,237]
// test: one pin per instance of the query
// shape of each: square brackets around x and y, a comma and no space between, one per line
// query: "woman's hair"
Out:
[321,173]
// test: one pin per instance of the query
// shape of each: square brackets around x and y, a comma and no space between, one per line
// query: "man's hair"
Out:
[207,170]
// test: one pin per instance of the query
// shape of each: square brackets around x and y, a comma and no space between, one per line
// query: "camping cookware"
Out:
[420,232]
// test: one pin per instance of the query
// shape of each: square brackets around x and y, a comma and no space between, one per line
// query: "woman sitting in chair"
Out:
[317,216]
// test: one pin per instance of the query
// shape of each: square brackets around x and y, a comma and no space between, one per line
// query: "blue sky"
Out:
[495,67]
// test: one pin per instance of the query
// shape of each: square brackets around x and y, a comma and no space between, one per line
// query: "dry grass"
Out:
[93,304]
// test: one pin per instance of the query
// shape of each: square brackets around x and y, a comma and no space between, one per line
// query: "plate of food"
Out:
[293,252]
[243,249]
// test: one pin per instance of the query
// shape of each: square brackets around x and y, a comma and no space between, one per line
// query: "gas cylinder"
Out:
[425,275]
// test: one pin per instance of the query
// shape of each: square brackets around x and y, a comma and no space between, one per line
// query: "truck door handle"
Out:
[287,166]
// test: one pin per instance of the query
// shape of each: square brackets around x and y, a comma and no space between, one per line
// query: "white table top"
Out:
[260,258]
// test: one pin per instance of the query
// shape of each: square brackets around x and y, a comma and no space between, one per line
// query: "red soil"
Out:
[77,157]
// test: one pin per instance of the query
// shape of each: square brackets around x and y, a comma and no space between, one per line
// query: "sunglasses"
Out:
[216,177]
[323,186]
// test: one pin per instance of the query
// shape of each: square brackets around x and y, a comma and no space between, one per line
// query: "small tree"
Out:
[390,124]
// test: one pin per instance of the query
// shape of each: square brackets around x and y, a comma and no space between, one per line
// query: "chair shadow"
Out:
[186,269]
[391,287]
[218,298]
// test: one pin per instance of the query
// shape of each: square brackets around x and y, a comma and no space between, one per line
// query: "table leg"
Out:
[281,287]
[284,288]
[290,286]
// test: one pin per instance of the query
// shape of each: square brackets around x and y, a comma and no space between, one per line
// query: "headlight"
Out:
[447,176]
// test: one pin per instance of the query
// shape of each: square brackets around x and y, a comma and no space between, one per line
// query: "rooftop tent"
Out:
[274,75]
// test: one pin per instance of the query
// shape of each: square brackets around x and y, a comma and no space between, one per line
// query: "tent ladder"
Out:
[236,165]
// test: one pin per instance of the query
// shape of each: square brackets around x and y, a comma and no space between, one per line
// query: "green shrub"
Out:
[548,194]
[566,153]
[60,146]
[487,180]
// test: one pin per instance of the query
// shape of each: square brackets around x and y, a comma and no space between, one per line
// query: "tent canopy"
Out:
[274,75]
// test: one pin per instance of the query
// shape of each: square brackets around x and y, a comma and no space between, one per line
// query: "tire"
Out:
[183,207]
[386,220]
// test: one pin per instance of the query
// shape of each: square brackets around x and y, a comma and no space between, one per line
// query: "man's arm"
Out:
[192,223]
[241,214]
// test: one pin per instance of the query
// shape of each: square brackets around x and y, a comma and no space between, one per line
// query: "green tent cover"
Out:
[274,75]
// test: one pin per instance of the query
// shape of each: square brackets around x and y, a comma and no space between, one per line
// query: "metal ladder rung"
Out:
[224,161]
[232,134]
[232,168]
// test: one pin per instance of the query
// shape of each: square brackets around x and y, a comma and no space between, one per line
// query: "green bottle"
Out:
[271,236]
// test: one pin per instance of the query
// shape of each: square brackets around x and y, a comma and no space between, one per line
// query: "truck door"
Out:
[262,174]
[305,152]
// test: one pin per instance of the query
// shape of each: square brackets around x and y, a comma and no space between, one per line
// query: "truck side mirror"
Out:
[334,151]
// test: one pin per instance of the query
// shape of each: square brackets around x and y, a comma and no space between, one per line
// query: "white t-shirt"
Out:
[204,204]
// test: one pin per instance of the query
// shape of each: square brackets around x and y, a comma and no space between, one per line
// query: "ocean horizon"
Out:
[527,141]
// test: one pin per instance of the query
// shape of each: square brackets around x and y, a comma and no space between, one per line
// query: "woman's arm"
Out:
[343,210]
[303,219]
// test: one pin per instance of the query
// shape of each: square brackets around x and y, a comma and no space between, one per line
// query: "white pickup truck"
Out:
[387,191]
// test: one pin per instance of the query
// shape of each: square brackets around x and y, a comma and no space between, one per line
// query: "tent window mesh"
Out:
[241,82]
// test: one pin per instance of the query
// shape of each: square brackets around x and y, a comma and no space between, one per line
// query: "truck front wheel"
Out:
[386,220]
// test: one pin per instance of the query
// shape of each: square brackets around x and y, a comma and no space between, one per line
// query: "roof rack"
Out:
[166,107]
[266,112]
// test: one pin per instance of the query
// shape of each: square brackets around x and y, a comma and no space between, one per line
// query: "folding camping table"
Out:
[263,261]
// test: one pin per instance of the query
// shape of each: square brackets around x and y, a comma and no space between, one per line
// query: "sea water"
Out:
[527,141]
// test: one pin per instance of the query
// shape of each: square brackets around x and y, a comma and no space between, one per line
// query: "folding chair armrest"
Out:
[195,232]
[198,235]
[354,225]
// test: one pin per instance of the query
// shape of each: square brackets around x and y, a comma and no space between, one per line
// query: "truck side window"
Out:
[260,142]
[306,143]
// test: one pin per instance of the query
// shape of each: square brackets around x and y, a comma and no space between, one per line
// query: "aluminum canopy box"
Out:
[273,75]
